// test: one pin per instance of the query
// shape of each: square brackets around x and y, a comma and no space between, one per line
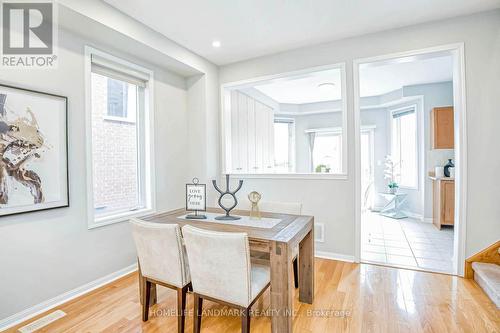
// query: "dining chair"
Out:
[292,208]
[162,261]
[221,271]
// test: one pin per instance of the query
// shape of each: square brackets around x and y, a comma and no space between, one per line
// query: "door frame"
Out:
[371,132]
[457,51]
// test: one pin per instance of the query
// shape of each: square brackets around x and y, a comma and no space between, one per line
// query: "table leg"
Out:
[152,297]
[281,288]
[306,268]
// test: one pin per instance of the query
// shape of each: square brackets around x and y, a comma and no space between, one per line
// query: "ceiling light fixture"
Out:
[216,43]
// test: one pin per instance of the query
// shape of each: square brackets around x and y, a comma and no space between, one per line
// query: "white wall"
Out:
[332,201]
[45,254]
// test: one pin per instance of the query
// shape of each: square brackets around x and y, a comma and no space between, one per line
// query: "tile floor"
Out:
[406,243]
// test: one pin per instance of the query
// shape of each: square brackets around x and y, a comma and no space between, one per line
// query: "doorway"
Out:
[400,166]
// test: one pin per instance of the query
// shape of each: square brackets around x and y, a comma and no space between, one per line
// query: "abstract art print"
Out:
[33,151]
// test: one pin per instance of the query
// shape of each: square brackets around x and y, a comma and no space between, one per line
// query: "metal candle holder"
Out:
[227,192]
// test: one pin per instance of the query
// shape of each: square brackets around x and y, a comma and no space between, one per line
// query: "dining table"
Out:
[275,235]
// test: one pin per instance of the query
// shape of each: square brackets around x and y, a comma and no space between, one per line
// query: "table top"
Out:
[291,228]
[398,194]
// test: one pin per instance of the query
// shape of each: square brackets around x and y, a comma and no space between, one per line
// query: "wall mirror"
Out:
[288,124]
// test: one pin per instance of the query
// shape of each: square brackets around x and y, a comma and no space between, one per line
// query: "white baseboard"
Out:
[63,298]
[334,256]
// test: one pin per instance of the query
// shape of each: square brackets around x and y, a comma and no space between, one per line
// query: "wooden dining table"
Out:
[278,242]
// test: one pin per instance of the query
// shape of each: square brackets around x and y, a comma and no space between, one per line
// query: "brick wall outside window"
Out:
[114,153]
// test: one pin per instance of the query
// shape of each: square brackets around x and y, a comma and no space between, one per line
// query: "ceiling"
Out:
[252,28]
[304,88]
[381,78]
[376,78]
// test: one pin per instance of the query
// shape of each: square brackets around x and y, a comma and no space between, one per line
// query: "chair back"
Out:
[292,208]
[160,252]
[219,264]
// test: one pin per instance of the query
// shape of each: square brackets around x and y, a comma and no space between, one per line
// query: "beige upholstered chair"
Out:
[162,261]
[221,271]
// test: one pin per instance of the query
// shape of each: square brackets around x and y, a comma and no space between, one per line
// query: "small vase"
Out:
[393,190]
[447,168]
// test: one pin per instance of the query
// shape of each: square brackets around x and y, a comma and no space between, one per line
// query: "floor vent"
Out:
[319,232]
[41,322]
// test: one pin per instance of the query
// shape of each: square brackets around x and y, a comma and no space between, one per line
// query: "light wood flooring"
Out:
[348,298]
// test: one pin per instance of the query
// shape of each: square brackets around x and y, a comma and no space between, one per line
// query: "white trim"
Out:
[324,176]
[122,217]
[334,256]
[459,87]
[37,309]
[307,113]
[224,118]
[147,172]
[335,130]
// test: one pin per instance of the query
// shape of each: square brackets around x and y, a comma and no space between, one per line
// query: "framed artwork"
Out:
[33,151]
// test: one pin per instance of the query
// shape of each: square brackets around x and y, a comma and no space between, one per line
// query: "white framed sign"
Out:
[196,196]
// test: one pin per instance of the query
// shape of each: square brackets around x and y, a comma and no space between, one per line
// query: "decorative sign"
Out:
[196,198]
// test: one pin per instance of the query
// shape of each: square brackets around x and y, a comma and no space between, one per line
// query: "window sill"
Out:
[119,218]
[119,119]
[289,176]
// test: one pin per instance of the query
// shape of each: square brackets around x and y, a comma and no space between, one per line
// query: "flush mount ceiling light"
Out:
[326,87]
[216,43]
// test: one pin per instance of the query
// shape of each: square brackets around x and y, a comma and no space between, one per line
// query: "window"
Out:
[327,152]
[121,178]
[266,123]
[121,100]
[284,142]
[404,147]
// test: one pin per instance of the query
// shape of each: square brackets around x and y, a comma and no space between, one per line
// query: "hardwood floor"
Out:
[372,299]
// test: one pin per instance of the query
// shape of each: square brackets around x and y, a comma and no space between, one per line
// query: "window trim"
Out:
[225,133]
[401,110]
[291,139]
[146,148]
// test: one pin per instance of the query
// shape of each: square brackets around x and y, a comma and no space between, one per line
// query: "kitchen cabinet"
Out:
[442,128]
[443,210]
[252,135]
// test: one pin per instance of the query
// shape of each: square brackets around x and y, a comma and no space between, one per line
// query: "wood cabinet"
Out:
[443,210]
[252,135]
[442,128]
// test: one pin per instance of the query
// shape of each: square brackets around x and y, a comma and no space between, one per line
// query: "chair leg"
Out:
[145,299]
[296,272]
[181,308]
[245,320]
[198,308]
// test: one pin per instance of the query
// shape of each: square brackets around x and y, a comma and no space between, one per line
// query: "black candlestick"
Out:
[227,192]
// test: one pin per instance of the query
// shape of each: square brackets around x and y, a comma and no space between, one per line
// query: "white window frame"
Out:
[414,107]
[327,131]
[146,148]
[291,140]
[225,133]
